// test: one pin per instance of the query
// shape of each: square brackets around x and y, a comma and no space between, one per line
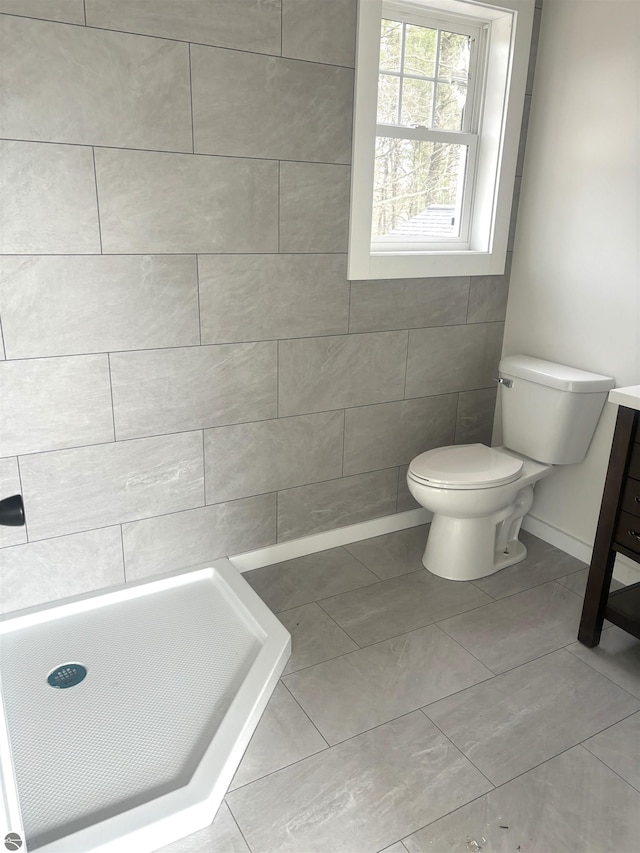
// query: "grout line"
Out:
[84,9]
[406,368]
[456,747]
[26,516]
[278,205]
[610,680]
[233,818]
[95,179]
[344,437]
[277,417]
[604,763]
[2,342]
[193,137]
[204,474]
[455,422]
[124,562]
[113,408]
[307,716]
[177,153]
[197,257]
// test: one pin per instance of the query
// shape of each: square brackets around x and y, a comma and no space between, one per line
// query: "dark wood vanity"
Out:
[618,528]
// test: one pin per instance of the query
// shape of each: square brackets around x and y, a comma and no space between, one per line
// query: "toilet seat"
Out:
[465,466]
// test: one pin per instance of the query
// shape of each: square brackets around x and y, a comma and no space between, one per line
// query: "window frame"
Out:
[508,26]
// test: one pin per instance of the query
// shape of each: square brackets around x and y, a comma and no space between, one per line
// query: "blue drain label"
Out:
[67,675]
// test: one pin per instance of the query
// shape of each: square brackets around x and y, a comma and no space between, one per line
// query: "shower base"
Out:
[140,751]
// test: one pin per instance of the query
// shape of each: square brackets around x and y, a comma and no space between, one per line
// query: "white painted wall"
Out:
[575,284]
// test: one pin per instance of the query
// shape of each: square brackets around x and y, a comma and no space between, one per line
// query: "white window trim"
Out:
[510,23]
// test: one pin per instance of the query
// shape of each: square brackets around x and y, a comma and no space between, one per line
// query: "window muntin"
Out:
[426,138]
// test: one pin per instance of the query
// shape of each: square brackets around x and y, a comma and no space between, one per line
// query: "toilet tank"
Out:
[549,411]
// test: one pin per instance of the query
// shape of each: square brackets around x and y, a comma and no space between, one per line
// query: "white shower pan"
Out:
[141,751]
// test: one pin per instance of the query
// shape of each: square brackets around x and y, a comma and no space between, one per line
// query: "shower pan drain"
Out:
[67,675]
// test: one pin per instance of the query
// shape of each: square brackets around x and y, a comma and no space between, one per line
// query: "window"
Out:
[439,96]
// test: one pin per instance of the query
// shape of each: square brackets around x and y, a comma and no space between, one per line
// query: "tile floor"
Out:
[418,714]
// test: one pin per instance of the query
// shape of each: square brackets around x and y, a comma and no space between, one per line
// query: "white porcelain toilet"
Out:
[479,495]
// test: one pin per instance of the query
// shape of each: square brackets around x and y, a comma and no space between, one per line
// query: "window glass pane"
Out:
[420,50]
[390,43]
[417,102]
[455,50]
[418,189]
[451,99]
[388,92]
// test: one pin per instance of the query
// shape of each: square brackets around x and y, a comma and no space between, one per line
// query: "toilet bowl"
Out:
[479,495]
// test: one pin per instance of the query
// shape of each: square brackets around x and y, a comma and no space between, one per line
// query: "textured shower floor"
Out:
[164,660]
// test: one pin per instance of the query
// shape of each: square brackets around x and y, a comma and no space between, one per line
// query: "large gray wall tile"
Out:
[169,390]
[317,374]
[408,303]
[67,491]
[65,304]
[85,86]
[48,199]
[453,358]
[246,25]
[156,202]
[266,297]
[476,411]
[56,568]
[488,299]
[10,485]
[69,11]
[336,503]
[182,539]
[314,207]
[393,433]
[303,109]
[321,32]
[253,458]
[406,501]
[51,403]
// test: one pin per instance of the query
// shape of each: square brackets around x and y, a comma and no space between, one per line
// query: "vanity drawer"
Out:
[634,464]
[628,532]
[631,497]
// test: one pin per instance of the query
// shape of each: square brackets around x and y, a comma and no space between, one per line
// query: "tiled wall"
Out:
[187,371]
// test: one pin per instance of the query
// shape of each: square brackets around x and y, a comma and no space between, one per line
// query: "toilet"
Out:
[479,495]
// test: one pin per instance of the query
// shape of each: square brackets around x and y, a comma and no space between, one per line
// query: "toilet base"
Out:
[464,549]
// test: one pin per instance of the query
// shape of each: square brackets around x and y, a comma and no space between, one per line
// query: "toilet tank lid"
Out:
[554,375]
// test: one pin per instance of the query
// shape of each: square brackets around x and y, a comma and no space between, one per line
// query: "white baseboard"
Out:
[625,570]
[330,539]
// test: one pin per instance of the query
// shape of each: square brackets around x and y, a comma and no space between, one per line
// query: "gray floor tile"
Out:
[544,811]
[617,657]
[371,686]
[306,579]
[542,563]
[315,637]
[618,747]
[518,629]
[393,554]
[399,605]
[284,735]
[360,796]
[526,716]
[223,836]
